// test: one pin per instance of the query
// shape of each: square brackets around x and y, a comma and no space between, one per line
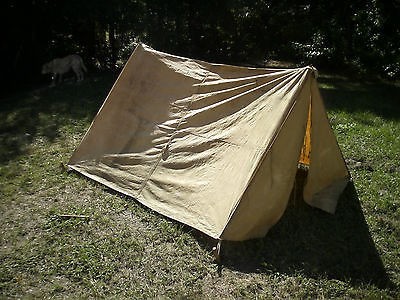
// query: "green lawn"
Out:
[124,250]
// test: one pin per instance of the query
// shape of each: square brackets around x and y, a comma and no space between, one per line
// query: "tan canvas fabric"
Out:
[213,146]
[328,174]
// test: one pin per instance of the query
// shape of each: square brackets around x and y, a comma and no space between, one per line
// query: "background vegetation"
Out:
[361,36]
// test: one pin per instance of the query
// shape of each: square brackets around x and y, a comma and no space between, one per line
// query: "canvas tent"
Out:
[213,146]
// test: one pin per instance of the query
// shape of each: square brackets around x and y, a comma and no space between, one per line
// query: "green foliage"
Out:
[359,37]
[124,250]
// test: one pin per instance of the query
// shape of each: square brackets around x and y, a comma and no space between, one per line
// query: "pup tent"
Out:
[213,146]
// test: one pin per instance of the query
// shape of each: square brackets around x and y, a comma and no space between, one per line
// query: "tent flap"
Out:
[327,174]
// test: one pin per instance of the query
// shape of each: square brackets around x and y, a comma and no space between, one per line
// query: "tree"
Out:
[359,36]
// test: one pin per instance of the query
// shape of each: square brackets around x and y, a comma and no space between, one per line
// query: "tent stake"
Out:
[217,255]
[217,251]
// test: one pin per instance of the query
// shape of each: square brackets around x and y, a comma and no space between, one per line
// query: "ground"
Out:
[124,250]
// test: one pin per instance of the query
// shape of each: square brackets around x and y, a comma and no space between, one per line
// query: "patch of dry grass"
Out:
[124,250]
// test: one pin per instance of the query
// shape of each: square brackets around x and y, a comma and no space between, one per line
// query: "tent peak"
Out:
[314,70]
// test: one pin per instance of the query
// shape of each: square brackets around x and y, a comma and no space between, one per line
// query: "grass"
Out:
[124,250]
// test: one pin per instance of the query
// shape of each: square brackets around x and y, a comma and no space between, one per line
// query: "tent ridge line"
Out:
[148,48]
[268,148]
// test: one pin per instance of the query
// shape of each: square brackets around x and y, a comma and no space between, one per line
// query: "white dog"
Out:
[59,66]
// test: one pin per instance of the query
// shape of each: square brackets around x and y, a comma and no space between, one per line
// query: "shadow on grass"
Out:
[310,242]
[379,98]
[42,112]
[305,241]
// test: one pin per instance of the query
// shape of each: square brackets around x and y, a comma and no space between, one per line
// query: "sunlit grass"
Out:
[124,250]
